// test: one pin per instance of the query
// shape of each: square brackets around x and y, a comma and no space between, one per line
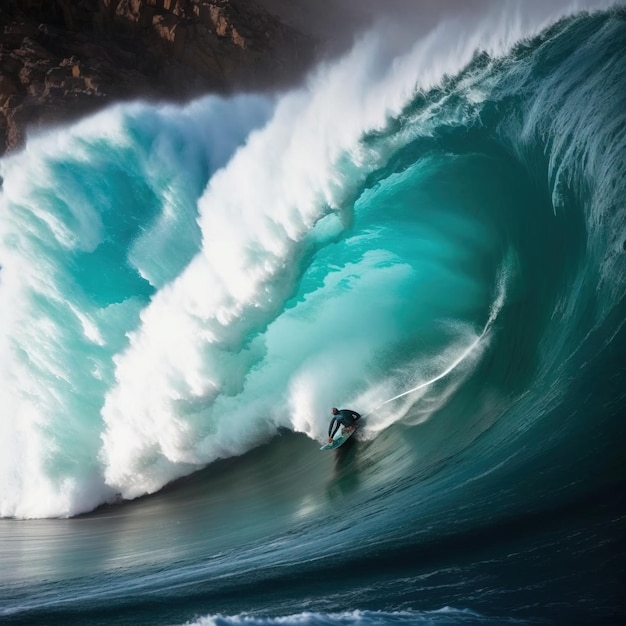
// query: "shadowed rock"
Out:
[60,59]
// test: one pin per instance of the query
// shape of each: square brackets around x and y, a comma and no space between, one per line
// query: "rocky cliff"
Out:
[63,58]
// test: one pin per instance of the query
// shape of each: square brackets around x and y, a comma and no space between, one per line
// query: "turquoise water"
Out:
[434,240]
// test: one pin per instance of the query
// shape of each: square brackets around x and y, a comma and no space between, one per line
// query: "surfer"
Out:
[345,418]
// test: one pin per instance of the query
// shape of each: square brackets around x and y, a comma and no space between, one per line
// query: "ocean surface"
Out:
[430,231]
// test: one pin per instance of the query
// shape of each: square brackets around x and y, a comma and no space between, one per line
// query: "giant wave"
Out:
[431,235]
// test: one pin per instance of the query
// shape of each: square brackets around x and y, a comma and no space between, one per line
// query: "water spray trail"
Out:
[493,314]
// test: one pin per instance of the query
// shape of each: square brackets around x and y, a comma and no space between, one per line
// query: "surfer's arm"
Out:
[333,428]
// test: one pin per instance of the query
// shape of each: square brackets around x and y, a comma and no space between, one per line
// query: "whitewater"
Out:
[429,230]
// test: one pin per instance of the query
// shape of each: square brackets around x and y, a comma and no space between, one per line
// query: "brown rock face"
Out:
[63,58]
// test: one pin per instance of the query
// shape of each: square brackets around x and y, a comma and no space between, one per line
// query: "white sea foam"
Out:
[446,615]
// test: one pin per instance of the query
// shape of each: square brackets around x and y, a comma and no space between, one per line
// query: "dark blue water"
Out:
[436,241]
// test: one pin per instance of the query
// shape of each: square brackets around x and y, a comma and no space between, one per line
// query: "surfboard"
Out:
[337,441]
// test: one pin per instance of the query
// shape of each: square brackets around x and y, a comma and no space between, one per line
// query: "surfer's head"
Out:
[335,411]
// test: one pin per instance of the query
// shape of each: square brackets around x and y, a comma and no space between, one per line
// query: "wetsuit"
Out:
[345,417]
